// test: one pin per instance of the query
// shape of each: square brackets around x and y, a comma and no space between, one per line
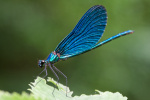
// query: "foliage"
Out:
[42,91]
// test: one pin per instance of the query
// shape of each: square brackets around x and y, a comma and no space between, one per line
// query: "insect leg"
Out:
[42,72]
[55,75]
[45,69]
[61,74]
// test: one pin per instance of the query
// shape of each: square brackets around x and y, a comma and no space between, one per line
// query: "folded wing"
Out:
[86,33]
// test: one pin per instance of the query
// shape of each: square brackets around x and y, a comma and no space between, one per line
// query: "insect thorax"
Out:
[53,57]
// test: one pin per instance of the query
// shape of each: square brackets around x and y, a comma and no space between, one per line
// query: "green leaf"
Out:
[40,89]
[15,96]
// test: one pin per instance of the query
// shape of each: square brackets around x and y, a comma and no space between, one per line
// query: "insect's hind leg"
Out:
[61,74]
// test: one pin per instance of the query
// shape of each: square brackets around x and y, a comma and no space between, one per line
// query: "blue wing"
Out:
[86,33]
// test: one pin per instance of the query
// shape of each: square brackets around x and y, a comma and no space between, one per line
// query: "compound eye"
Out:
[41,63]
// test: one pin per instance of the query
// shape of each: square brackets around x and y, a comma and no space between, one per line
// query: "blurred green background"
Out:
[31,29]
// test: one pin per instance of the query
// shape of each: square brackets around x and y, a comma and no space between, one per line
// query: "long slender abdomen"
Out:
[112,38]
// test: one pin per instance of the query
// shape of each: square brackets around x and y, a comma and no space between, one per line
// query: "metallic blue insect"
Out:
[84,37]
